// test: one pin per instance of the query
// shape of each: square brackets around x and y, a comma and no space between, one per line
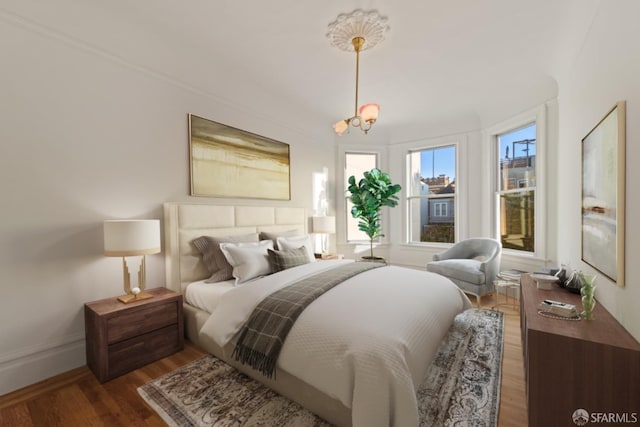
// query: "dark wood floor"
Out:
[76,398]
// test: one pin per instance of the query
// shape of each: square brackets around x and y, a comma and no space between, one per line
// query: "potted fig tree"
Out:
[368,196]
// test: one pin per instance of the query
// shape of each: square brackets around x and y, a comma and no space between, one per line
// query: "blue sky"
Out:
[445,162]
[507,139]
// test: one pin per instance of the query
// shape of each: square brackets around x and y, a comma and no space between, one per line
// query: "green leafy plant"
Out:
[368,196]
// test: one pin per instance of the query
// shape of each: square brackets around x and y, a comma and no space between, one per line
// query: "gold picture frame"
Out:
[228,162]
[603,195]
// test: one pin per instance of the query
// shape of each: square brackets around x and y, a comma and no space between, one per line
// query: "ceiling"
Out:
[444,65]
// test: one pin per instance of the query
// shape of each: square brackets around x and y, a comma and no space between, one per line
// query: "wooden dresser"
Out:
[123,337]
[569,365]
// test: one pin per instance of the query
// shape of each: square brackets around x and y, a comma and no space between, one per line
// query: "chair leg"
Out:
[478,300]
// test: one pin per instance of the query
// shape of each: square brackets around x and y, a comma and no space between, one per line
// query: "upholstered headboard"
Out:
[183,222]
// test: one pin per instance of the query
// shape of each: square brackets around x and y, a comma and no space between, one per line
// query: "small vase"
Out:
[587,291]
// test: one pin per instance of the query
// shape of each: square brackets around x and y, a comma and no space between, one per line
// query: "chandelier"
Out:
[358,31]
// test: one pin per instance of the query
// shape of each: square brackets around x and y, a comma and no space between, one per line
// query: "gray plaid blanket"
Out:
[263,334]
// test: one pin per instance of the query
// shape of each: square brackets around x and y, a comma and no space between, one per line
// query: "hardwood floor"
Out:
[513,406]
[76,398]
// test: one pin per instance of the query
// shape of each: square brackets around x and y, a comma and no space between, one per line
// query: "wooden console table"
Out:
[569,365]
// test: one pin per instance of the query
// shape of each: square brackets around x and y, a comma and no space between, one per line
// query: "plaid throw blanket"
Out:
[263,334]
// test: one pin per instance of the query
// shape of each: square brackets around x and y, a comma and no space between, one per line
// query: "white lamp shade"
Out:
[369,112]
[340,127]
[324,224]
[131,237]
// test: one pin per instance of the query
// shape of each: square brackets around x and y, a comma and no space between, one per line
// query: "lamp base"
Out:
[133,298]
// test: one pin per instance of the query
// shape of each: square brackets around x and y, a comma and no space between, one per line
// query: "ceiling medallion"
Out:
[369,25]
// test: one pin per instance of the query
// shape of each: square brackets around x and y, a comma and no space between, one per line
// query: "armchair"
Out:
[471,264]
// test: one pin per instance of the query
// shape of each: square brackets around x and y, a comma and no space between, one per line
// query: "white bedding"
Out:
[206,296]
[366,342]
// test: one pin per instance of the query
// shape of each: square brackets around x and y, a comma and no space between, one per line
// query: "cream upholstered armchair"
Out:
[471,264]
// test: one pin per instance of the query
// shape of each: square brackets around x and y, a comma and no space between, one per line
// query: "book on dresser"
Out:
[570,364]
[558,308]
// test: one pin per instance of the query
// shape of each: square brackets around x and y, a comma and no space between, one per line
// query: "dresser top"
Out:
[604,329]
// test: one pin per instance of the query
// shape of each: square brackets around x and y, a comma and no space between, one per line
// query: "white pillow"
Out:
[249,260]
[295,242]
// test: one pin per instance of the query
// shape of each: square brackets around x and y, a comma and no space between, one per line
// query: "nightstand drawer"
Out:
[136,322]
[138,351]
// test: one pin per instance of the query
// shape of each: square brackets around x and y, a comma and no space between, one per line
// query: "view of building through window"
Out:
[431,194]
[356,164]
[516,188]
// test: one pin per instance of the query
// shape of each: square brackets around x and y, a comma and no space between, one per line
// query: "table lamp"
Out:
[136,237]
[324,225]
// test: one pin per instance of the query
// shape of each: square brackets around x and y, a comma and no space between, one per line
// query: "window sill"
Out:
[422,246]
[506,253]
[364,242]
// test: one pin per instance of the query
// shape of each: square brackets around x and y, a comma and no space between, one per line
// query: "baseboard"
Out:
[30,368]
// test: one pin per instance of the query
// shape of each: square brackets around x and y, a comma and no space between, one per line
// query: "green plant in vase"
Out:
[587,291]
[368,196]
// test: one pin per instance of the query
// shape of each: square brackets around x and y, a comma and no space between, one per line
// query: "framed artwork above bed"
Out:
[229,162]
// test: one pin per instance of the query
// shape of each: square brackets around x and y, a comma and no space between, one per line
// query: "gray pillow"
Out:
[281,260]
[214,259]
[288,243]
[273,235]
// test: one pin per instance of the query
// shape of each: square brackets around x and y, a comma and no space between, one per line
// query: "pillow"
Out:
[288,243]
[281,260]
[249,260]
[273,235]
[214,259]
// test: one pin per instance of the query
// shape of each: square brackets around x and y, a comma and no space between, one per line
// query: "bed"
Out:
[351,368]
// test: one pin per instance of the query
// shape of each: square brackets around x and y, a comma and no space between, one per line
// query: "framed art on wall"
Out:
[603,195]
[229,162]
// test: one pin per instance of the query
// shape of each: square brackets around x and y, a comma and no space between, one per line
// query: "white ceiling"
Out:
[466,62]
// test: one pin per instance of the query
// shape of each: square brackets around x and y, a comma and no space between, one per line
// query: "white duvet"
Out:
[366,342]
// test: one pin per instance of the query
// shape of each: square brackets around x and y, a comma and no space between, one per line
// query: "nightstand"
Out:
[123,337]
[321,257]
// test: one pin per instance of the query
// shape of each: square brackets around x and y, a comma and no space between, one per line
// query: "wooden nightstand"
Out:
[123,337]
[321,257]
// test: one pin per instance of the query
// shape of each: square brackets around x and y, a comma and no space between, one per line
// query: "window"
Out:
[431,195]
[356,164]
[440,209]
[517,188]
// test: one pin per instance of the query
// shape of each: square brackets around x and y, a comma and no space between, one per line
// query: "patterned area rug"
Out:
[462,386]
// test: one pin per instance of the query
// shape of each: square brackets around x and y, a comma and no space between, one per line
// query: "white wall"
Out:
[605,71]
[88,136]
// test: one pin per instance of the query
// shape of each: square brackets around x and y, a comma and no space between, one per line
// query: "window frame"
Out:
[441,143]
[537,116]
[442,206]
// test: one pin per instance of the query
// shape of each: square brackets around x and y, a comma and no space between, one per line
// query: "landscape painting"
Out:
[229,162]
[603,190]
